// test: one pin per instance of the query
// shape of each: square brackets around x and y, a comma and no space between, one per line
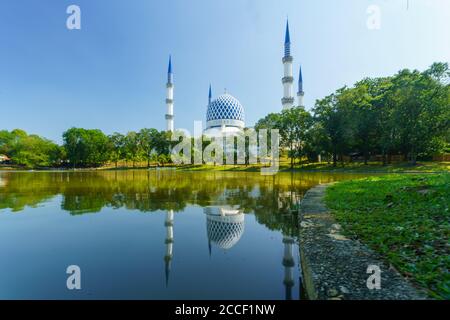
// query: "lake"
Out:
[157,234]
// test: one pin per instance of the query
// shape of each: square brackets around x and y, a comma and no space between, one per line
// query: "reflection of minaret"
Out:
[169,243]
[288,263]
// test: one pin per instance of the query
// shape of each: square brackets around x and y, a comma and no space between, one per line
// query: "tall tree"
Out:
[86,148]
[294,125]
[421,109]
[133,150]
[333,119]
[117,142]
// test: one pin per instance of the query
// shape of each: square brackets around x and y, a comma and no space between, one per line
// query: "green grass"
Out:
[375,167]
[405,218]
[284,166]
[425,166]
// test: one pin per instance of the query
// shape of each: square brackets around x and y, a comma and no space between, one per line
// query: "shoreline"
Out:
[334,267]
[400,217]
[401,168]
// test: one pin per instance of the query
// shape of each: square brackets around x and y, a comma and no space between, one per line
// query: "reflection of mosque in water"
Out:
[225,227]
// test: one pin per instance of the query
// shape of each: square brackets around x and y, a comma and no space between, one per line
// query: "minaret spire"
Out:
[288,79]
[300,92]
[169,97]
[300,80]
[169,71]
[287,41]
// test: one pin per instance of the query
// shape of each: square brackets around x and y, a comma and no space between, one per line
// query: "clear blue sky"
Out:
[111,74]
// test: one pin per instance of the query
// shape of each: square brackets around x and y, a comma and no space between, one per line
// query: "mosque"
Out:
[225,115]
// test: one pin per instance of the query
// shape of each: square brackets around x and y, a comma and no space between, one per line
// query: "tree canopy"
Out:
[406,114]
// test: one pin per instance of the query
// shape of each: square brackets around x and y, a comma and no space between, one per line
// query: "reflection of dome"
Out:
[224,226]
[224,113]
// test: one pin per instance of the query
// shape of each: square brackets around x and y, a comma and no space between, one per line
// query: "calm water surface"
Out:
[151,234]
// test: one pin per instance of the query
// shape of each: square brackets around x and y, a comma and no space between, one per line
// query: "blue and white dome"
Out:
[225,111]
[225,107]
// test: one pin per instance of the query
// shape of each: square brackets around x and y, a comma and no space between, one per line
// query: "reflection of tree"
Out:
[18,191]
[270,198]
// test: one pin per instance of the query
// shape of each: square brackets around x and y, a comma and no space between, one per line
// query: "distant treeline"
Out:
[85,148]
[406,114]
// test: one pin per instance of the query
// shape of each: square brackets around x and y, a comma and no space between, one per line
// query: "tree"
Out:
[316,141]
[117,144]
[421,110]
[6,139]
[30,151]
[86,148]
[154,142]
[356,103]
[133,150]
[293,126]
[333,119]
[271,121]
[378,89]
[146,141]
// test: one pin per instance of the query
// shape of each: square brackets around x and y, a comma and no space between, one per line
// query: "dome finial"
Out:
[209,95]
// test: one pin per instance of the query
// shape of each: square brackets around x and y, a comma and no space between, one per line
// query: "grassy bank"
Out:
[284,166]
[355,167]
[425,166]
[405,218]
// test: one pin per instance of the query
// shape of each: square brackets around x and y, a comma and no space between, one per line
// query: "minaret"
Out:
[288,79]
[169,99]
[300,93]
[169,244]
[288,263]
